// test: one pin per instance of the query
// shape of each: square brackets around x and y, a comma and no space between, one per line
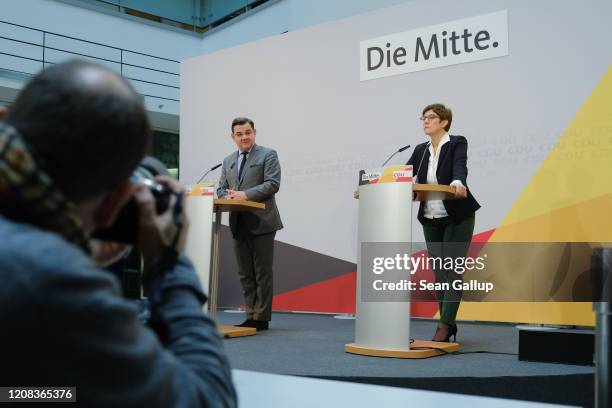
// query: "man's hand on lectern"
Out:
[236,195]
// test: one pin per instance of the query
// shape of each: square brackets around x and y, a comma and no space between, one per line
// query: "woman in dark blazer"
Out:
[448,225]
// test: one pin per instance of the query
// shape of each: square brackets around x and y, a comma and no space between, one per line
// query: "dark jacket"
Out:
[452,165]
[64,323]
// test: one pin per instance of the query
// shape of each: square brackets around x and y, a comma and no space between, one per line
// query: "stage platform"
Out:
[313,345]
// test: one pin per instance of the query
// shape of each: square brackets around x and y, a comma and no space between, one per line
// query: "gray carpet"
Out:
[313,345]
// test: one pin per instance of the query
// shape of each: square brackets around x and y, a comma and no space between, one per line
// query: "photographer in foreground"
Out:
[68,147]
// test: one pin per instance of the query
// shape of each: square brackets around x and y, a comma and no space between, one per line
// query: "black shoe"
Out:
[260,324]
[443,332]
[247,323]
[453,332]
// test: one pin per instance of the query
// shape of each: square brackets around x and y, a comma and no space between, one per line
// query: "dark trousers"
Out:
[447,238]
[255,254]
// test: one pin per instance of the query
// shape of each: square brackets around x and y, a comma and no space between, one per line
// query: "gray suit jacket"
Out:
[260,182]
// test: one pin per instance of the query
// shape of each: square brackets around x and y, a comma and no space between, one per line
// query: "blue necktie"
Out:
[242,164]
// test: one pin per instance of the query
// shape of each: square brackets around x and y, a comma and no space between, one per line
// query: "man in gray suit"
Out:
[253,173]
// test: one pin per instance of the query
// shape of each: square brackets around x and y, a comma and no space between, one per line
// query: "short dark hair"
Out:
[241,121]
[87,134]
[442,111]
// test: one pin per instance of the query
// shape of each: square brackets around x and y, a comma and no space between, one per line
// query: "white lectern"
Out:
[200,206]
[382,328]
[199,210]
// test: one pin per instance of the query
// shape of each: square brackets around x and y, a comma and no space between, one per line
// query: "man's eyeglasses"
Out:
[429,117]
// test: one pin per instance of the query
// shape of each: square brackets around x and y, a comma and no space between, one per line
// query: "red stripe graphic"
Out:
[337,295]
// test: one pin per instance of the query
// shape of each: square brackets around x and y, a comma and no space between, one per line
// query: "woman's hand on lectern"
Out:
[460,190]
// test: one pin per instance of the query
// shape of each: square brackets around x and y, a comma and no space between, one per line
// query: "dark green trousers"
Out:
[446,238]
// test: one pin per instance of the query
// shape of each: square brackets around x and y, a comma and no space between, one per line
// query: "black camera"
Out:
[125,228]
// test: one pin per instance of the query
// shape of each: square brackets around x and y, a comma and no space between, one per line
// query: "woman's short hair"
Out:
[442,111]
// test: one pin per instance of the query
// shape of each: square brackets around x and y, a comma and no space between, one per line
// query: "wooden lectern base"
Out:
[234,331]
[418,349]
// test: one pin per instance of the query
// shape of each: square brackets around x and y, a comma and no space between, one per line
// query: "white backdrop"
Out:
[302,89]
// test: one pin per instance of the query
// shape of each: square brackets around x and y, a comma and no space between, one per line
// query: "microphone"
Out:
[416,175]
[394,153]
[215,167]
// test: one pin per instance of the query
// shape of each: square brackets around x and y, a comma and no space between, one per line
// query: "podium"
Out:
[222,205]
[200,207]
[382,328]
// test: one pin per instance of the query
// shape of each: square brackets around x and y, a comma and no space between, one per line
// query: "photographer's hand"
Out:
[106,253]
[158,232]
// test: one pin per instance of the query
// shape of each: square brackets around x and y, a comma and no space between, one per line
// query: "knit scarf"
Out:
[27,193]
